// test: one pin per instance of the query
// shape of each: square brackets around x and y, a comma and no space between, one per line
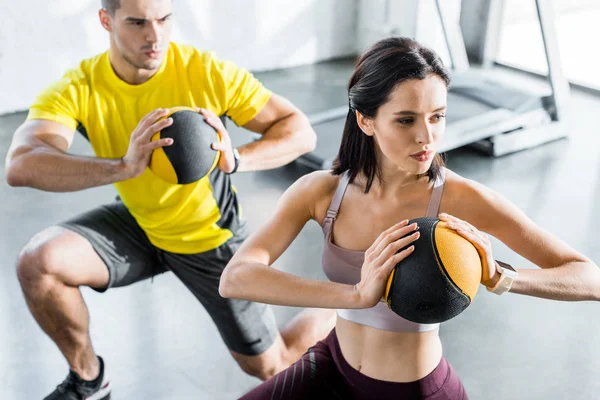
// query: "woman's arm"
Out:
[249,275]
[565,274]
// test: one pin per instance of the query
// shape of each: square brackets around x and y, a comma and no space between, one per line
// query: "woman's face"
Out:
[409,127]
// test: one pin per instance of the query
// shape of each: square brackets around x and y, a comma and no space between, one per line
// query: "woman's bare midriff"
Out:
[389,356]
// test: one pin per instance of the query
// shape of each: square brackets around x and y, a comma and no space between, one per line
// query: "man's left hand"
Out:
[227,160]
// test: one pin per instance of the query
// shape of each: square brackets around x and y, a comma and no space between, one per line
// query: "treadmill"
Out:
[484,110]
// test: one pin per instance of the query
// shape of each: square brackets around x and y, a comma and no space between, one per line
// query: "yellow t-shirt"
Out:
[184,219]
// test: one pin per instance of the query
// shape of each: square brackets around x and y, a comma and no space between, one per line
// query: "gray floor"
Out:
[159,343]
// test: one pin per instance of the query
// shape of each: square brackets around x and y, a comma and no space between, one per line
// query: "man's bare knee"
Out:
[38,258]
[60,255]
[262,369]
[264,365]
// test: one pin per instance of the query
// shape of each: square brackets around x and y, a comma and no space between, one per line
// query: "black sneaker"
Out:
[75,388]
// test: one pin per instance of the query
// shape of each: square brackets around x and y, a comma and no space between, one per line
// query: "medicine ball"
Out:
[439,280]
[190,157]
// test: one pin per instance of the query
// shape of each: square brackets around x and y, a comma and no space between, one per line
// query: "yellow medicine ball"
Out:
[439,280]
[190,157]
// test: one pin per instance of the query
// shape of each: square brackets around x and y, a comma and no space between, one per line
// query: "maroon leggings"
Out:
[322,372]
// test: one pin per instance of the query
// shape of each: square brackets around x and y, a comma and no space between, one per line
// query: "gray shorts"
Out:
[246,327]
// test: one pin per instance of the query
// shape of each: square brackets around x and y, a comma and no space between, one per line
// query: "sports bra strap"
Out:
[334,206]
[436,195]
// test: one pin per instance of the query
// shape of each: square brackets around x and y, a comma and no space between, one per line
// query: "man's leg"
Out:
[102,248]
[248,329]
[51,268]
[289,344]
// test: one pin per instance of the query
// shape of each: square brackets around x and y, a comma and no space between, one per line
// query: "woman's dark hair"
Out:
[377,73]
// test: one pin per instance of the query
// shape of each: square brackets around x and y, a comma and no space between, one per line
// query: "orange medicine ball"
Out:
[190,157]
[439,280]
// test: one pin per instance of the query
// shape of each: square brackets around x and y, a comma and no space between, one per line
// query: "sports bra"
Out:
[343,266]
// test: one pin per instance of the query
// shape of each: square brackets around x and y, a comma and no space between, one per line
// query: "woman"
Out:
[387,170]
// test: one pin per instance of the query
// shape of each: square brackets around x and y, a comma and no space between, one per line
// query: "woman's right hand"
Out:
[381,258]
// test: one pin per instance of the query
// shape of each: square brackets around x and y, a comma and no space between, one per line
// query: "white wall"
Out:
[378,19]
[40,39]
[417,19]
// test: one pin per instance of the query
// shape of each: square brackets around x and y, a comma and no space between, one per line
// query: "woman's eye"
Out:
[439,117]
[405,121]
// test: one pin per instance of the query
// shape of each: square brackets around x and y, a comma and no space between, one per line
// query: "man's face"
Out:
[141,31]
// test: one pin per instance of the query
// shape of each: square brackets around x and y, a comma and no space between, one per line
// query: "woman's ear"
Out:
[364,123]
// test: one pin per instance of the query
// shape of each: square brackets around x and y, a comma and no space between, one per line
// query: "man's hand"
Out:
[227,159]
[141,145]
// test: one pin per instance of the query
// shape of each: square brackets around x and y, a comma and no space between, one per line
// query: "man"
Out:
[193,230]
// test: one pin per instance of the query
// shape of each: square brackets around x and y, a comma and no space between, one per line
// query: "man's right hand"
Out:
[141,145]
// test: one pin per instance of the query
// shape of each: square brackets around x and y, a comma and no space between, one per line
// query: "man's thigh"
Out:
[247,328]
[119,241]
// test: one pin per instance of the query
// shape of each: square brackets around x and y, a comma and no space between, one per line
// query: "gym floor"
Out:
[159,343]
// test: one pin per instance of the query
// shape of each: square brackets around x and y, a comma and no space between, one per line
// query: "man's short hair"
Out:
[111,5]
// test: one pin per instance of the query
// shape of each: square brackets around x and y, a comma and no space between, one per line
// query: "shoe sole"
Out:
[102,394]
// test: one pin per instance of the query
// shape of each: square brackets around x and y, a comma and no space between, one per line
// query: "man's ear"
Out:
[105,20]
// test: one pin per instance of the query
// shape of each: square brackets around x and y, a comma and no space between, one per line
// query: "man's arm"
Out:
[38,157]
[286,135]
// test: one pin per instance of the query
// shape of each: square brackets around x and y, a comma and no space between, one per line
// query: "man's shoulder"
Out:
[188,54]
[81,74]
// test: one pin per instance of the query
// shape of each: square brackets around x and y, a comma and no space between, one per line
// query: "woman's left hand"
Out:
[482,243]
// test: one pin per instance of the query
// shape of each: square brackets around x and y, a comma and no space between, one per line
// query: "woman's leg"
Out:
[314,375]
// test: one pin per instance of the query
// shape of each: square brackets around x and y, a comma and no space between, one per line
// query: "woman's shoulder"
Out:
[465,195]
[318,189]
[318,182]
[460,186]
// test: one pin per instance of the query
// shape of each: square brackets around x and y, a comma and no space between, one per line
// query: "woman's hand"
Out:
[381,258]
[482,243]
